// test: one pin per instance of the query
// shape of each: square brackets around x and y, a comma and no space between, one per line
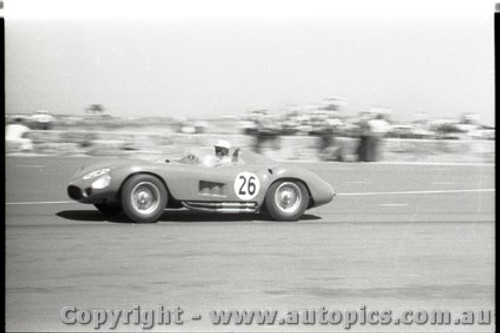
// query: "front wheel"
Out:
[144,198]
[287,200]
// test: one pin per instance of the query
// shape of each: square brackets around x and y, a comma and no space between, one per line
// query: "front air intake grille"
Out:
[74,192]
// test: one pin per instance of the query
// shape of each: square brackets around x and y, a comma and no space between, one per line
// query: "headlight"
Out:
[101,182]
[96,173]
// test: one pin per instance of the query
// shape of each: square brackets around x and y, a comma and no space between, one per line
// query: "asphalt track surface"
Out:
[398,237]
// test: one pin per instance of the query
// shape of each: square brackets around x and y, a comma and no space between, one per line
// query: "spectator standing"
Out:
[16,136]
[267,131]
[329,149]
[378,128]
[364,138]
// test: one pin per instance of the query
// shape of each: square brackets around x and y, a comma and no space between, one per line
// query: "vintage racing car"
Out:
[250,183]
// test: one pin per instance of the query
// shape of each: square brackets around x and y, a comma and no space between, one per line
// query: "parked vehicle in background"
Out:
[41,120]
[289,126]
[249,124]
[17,136]
[304,125]
[248,127]
[190,126]
[401,131]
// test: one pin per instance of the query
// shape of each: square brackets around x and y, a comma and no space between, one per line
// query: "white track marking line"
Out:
[442,183]
[41,203]
[436,163]
[31,166]
[415,192]
[393,205]
[331,165]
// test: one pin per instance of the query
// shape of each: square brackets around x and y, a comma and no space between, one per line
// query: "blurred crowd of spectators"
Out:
[369,127]
[325,123]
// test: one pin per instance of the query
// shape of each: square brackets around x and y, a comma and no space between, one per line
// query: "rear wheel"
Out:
[287,200]
[144,198]
[109,209]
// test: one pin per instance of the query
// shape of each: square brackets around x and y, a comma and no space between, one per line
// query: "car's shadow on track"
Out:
[173,216]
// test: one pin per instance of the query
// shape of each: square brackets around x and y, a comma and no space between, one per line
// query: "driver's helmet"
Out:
[222,148]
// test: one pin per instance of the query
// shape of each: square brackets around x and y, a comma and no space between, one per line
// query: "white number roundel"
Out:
[246,185]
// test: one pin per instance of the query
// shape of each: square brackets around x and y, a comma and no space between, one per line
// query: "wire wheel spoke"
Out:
[145,197]
[288,197]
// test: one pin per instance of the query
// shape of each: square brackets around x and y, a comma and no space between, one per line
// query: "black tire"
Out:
[144,198]
[278,200]
[109,209]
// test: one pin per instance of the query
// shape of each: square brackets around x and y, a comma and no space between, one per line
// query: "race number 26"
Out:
[246,185]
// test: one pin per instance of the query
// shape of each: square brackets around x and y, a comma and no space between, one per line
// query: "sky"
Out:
[197,60]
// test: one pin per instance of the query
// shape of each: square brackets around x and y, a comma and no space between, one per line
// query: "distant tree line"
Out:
[95,108]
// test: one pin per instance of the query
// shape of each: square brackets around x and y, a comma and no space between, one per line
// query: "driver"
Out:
[222,152]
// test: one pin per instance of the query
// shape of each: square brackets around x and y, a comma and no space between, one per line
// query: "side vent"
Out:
[212,188]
